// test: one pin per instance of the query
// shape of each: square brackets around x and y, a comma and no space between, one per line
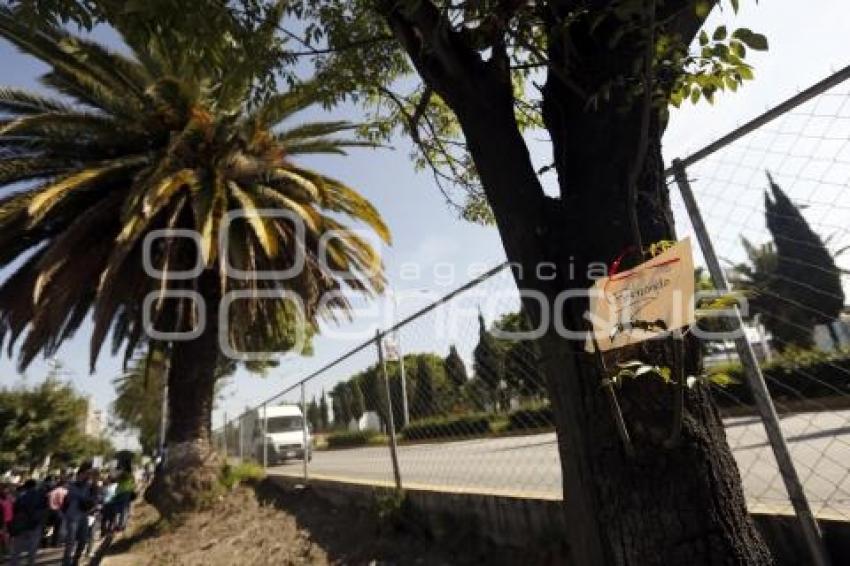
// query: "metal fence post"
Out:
[405,411]
[305,439]
[390,421]
[241,440]
[761,395]
[224,438]
[265,442]
[163,417]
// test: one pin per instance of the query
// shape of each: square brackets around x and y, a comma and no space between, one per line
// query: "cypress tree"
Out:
[488,360]
[323,411]
[807,279]
[455,369]
[424,400]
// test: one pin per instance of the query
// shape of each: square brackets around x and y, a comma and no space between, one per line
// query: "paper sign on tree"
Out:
[644,302]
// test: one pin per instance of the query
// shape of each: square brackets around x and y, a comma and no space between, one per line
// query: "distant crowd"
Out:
[70,511]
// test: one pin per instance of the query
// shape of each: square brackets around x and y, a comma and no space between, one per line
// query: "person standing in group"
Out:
[124,496]
[91,514]
[55,501]
[109,511]
[7,503]
[79,501]
[28,515]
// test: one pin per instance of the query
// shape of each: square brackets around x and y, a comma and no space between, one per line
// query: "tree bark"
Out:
[191,468]
[669,504]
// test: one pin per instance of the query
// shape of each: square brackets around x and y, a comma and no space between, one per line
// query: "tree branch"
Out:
[337,49]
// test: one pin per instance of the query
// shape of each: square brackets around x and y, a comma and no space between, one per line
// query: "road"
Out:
[528,466]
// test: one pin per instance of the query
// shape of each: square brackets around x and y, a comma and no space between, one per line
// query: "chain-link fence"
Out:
[468,405]
[775,199]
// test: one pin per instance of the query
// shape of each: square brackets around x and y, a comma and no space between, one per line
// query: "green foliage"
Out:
[455,369]
[347,402]
[350,47]
[323,412]
[633,369]
[522,358]
[45,420]
[488,360]
[244,472]
[793,282]
[355,438]
[138,399]
[533,417]
[442,395]
[138,395]
[454,426]
[313,415]
[182,138]
[506,367]
[425,397]
[389,508]
[795,375]
[235,40]
[718,65]
[806,273]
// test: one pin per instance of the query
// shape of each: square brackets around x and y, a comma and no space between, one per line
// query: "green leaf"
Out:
[738,49]
[752,39]
[695,95]
[722,379]
[703,38]
[758,42]
[719,34]
[746,72]
[735,5]
[702,8]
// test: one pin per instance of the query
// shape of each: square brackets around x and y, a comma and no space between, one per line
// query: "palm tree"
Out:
[145,142]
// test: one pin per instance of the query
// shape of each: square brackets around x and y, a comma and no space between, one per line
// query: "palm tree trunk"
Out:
[191,466]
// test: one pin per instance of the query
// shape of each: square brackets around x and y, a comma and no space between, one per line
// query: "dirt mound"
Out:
[267,526]
[237,529]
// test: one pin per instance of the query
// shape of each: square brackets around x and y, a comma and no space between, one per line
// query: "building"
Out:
[93,421]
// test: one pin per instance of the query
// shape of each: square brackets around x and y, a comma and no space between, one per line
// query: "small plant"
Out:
[389,507]
[244,472]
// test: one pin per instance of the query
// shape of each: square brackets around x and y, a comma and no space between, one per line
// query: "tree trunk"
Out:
[667,505]
[673,502]
[190,472]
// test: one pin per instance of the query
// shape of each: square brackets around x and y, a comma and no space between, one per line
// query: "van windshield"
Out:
[283,424]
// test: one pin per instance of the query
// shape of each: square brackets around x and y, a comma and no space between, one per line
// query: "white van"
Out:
[285,434]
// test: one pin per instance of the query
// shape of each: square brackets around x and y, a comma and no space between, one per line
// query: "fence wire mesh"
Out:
[777,207]
[469,405]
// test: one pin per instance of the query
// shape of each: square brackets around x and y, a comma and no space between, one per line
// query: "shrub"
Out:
[244,472]
[357,438]
[795,375]
[473,424]
[531,418]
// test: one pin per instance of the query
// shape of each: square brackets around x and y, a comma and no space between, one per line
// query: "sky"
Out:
[806,45]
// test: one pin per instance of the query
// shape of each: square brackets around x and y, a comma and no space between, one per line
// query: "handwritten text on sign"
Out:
[646,301]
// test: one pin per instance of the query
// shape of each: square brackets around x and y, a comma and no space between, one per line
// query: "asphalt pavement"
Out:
[528,466]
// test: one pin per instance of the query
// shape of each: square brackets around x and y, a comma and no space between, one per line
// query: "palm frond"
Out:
[261,226]
[314,130]
[16,101]
[283,105]
[15,170]
[45,197]
[149,143]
